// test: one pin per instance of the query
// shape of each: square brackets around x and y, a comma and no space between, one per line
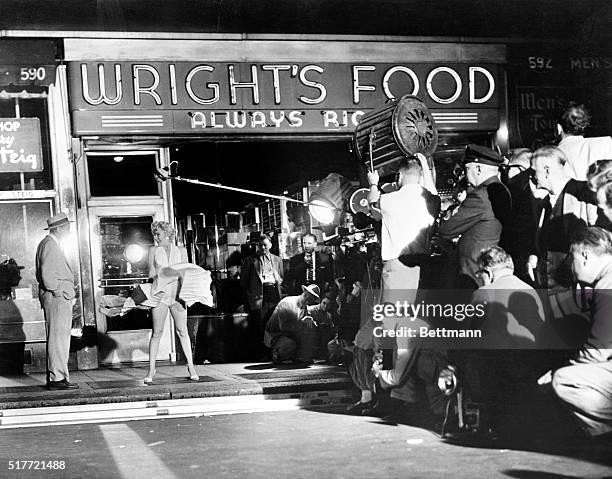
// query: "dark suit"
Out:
[478,227]
[574,209]
[521,233]
[56,291]
[501,202]
[296,276]
[252,279]
[261,299]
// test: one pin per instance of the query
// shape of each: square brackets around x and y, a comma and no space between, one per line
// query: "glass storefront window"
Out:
[23,228]
[125,244]
[122,174]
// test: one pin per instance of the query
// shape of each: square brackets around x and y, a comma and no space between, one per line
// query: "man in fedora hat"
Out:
[56,292]
[289,331]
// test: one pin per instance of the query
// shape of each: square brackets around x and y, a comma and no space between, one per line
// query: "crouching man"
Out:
[584,385]
[289,330]
[415,369]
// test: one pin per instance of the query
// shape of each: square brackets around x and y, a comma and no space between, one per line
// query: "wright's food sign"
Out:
[20,145]
[224,98]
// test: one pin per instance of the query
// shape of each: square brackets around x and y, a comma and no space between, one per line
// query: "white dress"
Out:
[164,280]
[174,280]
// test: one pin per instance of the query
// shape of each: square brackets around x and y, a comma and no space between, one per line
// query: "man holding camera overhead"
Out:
[407,216]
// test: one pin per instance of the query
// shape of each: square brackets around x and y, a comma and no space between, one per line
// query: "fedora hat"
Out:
[58,220]
[313,289]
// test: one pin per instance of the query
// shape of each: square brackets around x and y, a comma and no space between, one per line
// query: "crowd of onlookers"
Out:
[528,236]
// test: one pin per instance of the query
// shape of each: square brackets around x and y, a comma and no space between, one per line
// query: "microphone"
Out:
[162,174]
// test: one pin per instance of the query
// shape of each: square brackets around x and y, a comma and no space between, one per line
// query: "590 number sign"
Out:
[33,73]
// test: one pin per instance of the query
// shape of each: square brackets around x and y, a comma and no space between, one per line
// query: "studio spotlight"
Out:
[327,200]
[322,211]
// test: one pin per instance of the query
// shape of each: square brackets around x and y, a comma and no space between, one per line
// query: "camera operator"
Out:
[480,217]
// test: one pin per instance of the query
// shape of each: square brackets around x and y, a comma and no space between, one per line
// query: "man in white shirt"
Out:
[580,152]
[407,216]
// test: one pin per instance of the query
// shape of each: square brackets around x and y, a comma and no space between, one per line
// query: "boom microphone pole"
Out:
[162,174]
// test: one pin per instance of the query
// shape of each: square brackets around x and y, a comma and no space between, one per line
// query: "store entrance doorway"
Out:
[119,263]
[123,199]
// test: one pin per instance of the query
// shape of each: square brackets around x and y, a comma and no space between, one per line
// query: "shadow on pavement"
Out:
[277,367]
[531,435]
[527,474]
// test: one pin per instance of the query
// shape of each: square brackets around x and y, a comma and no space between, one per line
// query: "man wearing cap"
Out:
[480,219]
[56,292]
[289,331]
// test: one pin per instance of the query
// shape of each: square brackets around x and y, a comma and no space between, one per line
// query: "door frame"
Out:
[89,243]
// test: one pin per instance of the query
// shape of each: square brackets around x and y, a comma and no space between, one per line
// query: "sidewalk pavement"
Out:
[125,383]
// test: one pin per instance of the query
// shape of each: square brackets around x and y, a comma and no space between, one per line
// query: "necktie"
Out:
[309,267]
[269,267]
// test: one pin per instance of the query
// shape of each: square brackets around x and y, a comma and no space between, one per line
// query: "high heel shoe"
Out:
[193,377]
[149,379]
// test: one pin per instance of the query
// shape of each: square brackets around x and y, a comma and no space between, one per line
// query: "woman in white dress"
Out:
[161,256]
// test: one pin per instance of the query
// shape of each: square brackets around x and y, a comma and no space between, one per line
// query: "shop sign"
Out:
[160,97]
[537,111]
[20,145]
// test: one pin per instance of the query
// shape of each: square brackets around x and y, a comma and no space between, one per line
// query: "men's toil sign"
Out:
[161,97]
[20,145]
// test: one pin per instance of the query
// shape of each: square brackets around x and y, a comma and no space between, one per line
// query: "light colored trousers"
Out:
[587,390]
[399,282]
[58,321]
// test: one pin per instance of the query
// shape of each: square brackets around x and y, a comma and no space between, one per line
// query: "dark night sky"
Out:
[586,21]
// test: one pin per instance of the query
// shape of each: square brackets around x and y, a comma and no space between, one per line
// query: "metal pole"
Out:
[243,190]
[371,145]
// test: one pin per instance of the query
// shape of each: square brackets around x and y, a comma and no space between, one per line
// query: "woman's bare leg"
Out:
[179,314]
[159,314]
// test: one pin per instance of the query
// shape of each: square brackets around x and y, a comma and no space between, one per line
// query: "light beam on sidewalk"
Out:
[131,454]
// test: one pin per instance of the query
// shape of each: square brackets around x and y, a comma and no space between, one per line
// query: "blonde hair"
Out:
[163,226]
